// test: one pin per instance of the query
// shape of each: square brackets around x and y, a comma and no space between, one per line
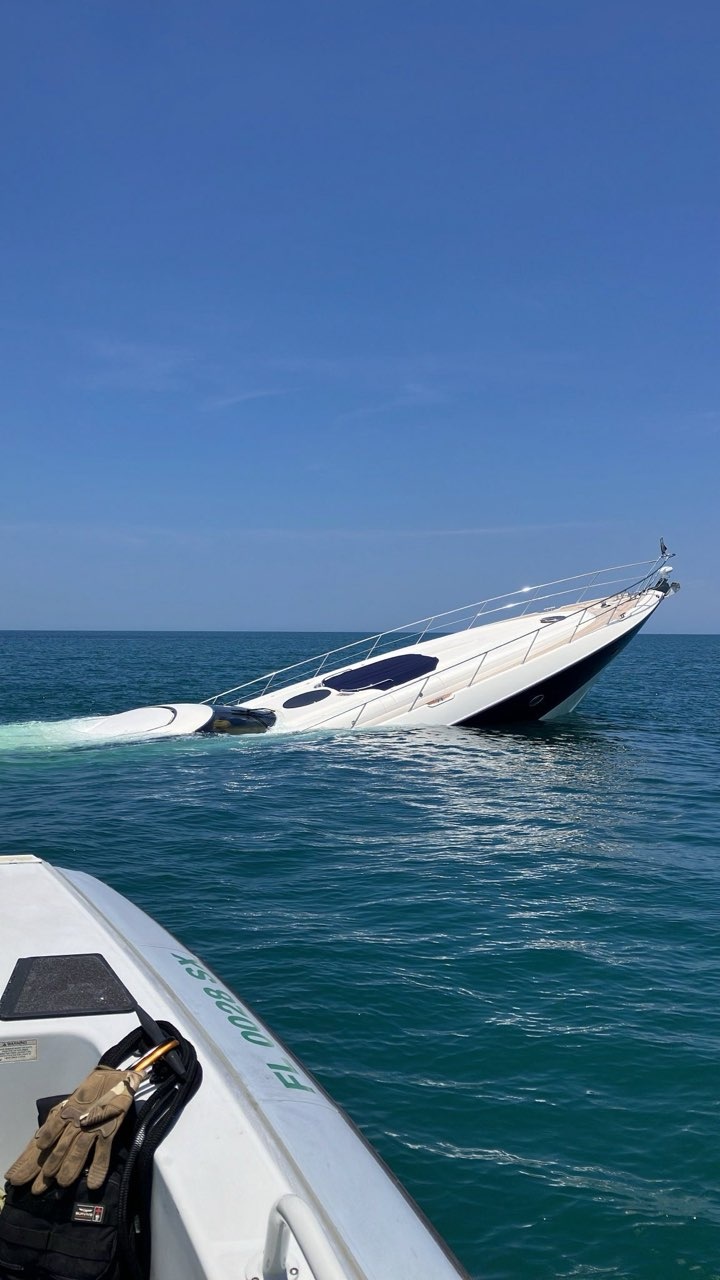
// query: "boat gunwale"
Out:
[263,684]
[256,1112]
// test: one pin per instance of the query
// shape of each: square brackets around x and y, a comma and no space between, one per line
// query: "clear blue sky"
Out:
[327,315]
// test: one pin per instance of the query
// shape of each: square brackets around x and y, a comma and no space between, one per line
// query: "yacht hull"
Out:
[533,672]
[169,720]
[553,696]
[474,667]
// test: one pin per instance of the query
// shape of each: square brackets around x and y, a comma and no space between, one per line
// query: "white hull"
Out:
[472,667]
[477,671]
[167,721]
[259,1141]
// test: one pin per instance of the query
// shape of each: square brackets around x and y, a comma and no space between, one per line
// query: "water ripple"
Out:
[498,951]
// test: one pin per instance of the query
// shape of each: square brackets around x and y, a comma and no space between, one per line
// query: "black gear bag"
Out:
[71,1233]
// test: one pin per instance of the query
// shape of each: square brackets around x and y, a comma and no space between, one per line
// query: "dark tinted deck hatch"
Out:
[385,674]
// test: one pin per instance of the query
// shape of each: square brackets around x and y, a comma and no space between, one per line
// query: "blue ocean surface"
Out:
[499,952]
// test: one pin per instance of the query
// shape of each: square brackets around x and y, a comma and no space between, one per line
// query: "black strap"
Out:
[177,1082]
[149,1034]
[178,1075]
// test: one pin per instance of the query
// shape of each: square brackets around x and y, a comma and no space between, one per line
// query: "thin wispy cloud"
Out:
[414,396]
[216,404]
[137,537]
[141,535]
[396,382]
[477,531]
[137,366]
[315,366]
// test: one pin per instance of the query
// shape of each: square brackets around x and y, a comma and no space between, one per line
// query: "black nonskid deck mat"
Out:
[63,987]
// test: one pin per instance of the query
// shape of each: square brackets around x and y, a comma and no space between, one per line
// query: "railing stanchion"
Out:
[419,694]
[578,624]
[454,621]
[475,672]
[535,636]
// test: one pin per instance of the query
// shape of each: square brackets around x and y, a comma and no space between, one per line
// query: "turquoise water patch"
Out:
[499,952]
[44,735]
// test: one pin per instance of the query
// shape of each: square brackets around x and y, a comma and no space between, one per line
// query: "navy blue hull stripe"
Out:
[537,700]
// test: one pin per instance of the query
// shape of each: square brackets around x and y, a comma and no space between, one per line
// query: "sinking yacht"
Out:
[232,1162]
[529,655]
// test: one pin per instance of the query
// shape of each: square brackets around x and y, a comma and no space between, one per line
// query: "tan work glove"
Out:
[89,1118]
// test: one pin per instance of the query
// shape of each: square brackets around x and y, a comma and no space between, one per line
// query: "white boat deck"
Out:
[478,665]
[260,1141]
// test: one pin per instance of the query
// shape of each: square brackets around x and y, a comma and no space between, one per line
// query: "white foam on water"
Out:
[49,735]
[178,719]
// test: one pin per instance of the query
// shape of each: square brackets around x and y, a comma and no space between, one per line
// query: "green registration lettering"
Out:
[287,1075]
[191,968]
[256,1037]
[241,1020]
[249,1030]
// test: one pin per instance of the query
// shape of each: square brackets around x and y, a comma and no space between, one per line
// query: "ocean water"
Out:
[499,952]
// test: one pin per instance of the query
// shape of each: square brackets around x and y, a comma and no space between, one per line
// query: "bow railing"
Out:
[613,582]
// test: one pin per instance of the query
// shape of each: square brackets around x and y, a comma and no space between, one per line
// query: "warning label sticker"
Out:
[88,1213]
[18,1050]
